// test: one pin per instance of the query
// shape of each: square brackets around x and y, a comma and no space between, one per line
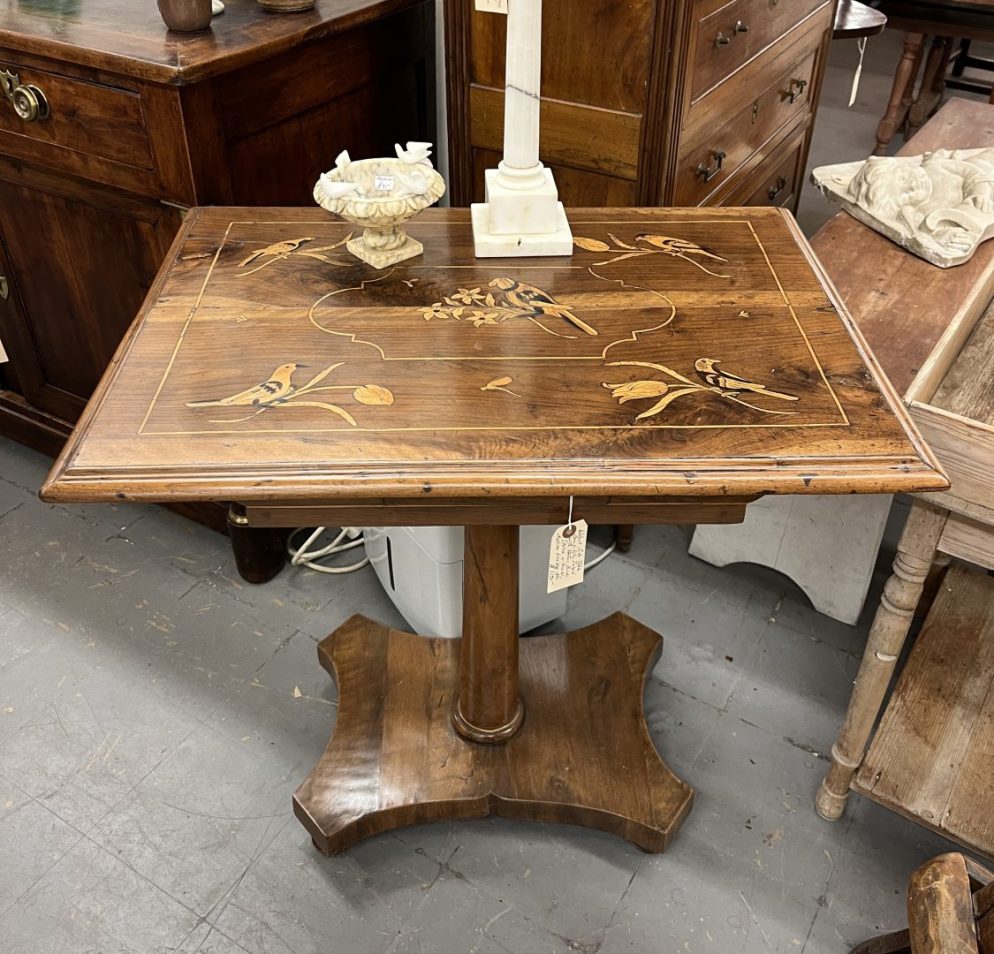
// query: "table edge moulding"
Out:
[548,728]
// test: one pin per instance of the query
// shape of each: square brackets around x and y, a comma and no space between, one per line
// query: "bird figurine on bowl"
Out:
[381,196]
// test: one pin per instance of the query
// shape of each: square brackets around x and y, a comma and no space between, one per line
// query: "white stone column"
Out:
[522,98]
[522,215]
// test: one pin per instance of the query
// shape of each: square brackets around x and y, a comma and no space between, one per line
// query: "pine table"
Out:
[681,364]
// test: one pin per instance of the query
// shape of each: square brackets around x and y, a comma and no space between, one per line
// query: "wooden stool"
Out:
[944,916]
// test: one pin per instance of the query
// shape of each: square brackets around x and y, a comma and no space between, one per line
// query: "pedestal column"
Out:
[488,708]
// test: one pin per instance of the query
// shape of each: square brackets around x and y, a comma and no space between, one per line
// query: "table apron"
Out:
[524,512]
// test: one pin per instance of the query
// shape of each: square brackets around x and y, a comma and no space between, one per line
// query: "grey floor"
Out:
[156,714]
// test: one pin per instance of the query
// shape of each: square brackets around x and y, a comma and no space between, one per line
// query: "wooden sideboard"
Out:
[650,102]
[142,123]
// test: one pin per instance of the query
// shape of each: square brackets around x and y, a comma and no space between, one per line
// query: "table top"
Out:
[129,37]
[678,352]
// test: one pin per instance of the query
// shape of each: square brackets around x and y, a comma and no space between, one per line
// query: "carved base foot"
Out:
[380,258]
[583,755]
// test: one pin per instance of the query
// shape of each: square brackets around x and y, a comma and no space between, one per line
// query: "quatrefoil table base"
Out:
[582,756]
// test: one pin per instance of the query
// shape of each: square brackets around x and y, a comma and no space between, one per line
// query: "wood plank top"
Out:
[931,758]
[678,352]
[129,37]
[904,305]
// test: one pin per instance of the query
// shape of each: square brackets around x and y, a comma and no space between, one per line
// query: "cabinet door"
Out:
[79,260]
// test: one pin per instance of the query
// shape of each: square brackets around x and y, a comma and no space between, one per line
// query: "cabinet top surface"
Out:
[678,352]
[128,36]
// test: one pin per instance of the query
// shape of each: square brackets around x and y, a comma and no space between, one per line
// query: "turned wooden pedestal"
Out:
[432,729]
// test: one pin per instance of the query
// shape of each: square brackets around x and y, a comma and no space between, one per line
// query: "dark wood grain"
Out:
[428,511]
[144,123]
[130,38]
[583,755]
[631,134]
[450,430]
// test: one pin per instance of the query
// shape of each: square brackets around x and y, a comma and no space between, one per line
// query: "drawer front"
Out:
[777,182]
[713,161]
[729,35]
[62,121]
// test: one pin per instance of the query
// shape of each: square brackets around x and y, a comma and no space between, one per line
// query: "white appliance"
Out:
[421,570]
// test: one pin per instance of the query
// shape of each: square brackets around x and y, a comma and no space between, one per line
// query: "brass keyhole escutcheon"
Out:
[29,101]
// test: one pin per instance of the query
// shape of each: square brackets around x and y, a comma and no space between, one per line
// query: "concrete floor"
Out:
[156,714]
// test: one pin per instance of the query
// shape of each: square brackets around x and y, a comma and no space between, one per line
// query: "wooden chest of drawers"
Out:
[140,124]
[651,102]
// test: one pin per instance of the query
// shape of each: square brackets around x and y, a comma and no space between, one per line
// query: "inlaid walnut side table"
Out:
[679,365]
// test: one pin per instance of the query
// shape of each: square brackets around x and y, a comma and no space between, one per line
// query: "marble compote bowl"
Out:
[381,195]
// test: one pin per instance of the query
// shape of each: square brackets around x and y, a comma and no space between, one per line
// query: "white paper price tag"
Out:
[567,556]
[491,6]
[3,354]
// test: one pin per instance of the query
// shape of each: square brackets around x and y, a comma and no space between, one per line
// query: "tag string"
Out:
[569,519]
[861,46]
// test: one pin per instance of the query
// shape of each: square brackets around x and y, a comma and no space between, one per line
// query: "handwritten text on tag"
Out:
[567,556]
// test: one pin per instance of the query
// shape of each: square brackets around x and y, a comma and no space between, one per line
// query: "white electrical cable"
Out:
[304,556]
[601,557]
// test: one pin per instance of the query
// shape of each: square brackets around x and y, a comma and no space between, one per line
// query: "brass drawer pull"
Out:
[796,87]
[722,40]
[4,288]
[28,101]
[741,27]
[708,173]
[778,188]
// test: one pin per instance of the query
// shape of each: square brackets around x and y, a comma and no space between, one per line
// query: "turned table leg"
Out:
[260,553]
[887,636]
[625,537]
[933,83]
[902,91]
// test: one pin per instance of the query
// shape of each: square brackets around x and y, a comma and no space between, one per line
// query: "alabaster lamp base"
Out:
[522,217]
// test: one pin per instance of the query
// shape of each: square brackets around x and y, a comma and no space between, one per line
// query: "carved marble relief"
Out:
[939,205]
